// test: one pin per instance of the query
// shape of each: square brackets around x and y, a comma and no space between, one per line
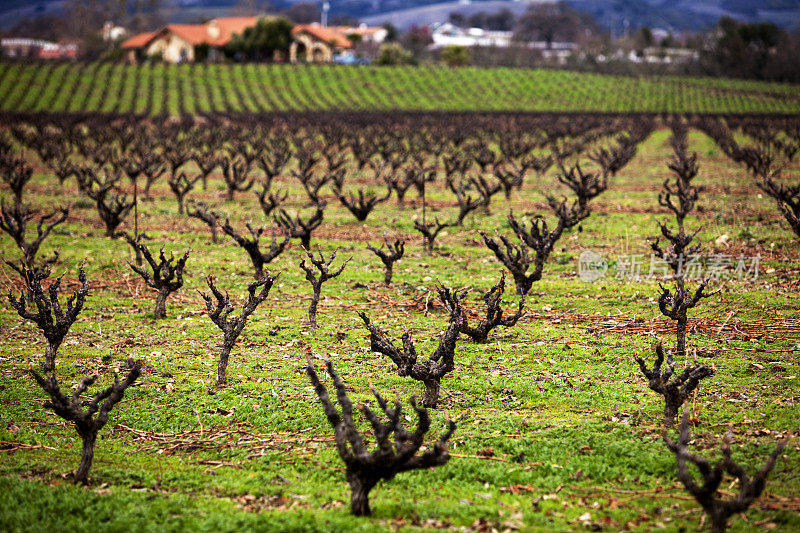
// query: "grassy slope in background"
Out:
[199,88]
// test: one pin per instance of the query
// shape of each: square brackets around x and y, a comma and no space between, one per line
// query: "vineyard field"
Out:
[565,307]
[222,88]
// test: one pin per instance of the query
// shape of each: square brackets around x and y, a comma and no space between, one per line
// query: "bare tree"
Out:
[510,175]
[400,185]
[153,165]
[297,228]
[206,162]
[485,189]
[585,185]
[269,201]
[466,204]
[708,494]
[679,198]
[420,177]
[676,305]
[538,237]
[56,154]
[786,197]
[307,159]
[456,163]
[15,173]
[613,158]
[166,276]
[396,446]
[362,206]
[324,274]
[130,165]
[765,163]
[540,164]
[14,221]
[430,231]
[253,248]
[273,159]
[176,149]
[133,241]
[336,179]
[314,184]
[494,313]
[89,421]
[96,181]
[51,318]
[243,145]
[233,327]
[677,389]
[335,154]
[515,258]
[393,253]
[112,207]
[203,212]
[431,371]
[364,148]
[235,172]
[181,185]
[553,22]
[482,153]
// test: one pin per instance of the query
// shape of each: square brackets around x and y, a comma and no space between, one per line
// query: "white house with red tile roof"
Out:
[176,42]
[313,43]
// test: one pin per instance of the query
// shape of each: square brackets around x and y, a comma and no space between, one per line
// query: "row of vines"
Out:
[212,88]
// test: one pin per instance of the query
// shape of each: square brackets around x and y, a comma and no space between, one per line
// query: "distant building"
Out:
[38,49]
[448,34]
[664,55]
[368,34]
[313,43]
[554,51]
[113,33]
[177,43]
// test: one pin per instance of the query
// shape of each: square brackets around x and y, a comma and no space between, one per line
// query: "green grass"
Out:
[561,388]
[264,88]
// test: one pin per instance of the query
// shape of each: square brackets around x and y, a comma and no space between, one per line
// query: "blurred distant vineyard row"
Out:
[243,88]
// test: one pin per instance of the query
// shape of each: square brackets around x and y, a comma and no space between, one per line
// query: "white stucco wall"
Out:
[171,47]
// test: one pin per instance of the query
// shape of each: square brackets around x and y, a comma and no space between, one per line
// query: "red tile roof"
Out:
[191,33]
[216,32]
[138,41]
[327,35]
[233,25]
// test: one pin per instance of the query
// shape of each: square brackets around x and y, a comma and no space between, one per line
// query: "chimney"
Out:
[213,29]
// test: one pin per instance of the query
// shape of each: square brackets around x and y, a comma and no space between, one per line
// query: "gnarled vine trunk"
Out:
[160,310]
[222,364]
[87,456]
[359,495]
[431,395]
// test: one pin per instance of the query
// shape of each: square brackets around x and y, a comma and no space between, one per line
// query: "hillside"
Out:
[680,15]
[193,89]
